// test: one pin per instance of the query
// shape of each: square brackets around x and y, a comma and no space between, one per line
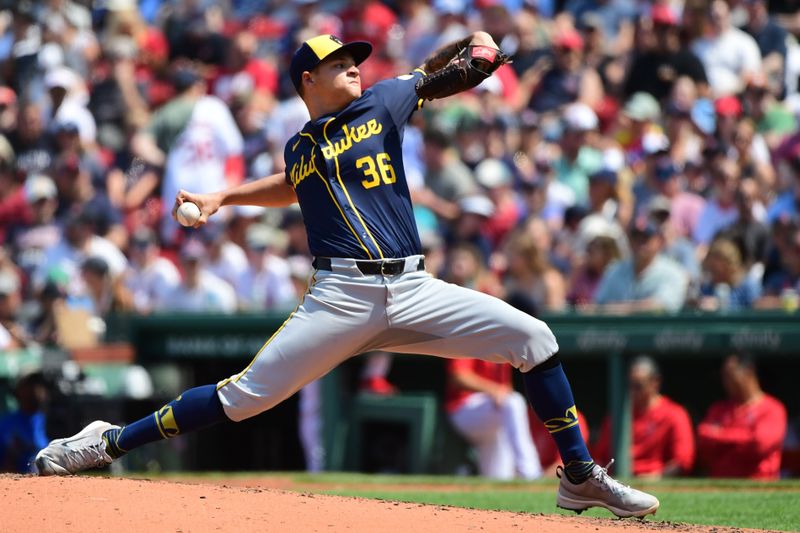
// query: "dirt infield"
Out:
[89,504]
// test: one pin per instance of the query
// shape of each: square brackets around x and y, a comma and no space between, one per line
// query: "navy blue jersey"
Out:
[347,172]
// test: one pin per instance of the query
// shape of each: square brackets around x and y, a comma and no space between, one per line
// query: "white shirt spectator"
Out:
[728,58]
[231,263]
[268,288]
[151,284]
[211,295]
[197,160]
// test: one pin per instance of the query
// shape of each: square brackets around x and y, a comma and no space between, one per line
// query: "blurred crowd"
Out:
[635,156]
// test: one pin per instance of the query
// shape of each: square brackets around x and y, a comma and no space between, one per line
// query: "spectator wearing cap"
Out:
[677,247]
[578,158]
[656,70]
[728,54]
[149,276]
[640,121]
[469,227]
[77,192]
[266,282]
[68,99]
[103,293]
[727,285]
[200,291]
[553,85]
[721,210]
[496,179]
[741,436]
[447,178]
[78,244]
[531,282]
[195,140]
[685,206]
[773,119]
[30,238]
[647,281]
[662,440]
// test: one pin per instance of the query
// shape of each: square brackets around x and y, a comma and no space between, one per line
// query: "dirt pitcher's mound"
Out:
[89,504]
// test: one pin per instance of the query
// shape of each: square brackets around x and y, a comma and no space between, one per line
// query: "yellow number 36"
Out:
[376,170]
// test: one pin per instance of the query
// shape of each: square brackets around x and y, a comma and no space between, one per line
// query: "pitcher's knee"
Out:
[540,345]
[240,404]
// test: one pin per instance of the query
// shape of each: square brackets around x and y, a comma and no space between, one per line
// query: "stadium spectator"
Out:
[751,236]
[676,247]
[600,253]
[28,239]
[656,70]
[149,277]
[783,282]
[265,284]
[662,443]
[200,291]
[531,282]
[195,140]
[13,335]
[23,431]
[728,54]
[727,285]
[647,281]
[447,178]
[579,159]
[103,293]
[721,211]
[78,244]
[771,39]
[742,435]
[483,407]
[563,80]
[468,227]
[496,179]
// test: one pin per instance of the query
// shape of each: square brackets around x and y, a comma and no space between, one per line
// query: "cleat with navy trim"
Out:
[86,449]
[601,490]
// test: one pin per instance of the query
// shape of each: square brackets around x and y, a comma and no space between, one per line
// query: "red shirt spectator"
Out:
[662,434]
[743,440]
[455,396]
[742,436]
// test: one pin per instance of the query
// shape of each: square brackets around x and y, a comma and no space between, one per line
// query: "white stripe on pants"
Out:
[500,434]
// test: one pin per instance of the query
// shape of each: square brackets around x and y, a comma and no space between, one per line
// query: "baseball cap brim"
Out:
[314,51]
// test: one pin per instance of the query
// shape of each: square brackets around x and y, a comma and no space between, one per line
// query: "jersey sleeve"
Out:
[399,96]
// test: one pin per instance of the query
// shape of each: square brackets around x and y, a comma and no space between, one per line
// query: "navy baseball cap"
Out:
[312,52]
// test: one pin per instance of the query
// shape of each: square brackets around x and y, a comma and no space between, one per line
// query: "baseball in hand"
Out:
[188,214]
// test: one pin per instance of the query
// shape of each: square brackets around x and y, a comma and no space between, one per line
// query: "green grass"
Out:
[733,503]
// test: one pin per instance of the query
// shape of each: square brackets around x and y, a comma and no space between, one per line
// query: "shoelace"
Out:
[86,457]
[608,483]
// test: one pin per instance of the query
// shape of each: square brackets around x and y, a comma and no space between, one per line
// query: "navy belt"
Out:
[385,267]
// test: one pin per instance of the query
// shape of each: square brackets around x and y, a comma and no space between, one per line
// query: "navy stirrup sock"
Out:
[195,409]
[551,398]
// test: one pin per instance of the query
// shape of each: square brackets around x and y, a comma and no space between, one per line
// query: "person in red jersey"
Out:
[663,441]
[484,408]
[742,436]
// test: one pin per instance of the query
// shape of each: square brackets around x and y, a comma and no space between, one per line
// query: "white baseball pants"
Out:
[345,313]
[500,434]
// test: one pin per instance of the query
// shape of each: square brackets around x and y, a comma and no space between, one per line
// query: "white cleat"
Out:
[601,490]
[87,449]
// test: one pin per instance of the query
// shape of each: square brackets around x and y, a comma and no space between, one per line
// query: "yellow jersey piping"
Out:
[347,195]
[330,192]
